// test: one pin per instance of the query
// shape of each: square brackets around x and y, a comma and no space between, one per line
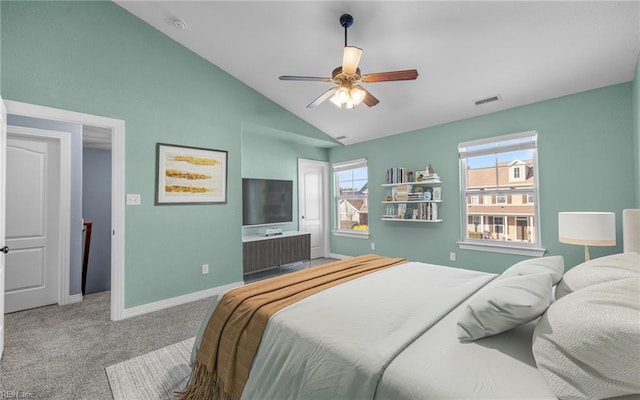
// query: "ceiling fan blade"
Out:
[406,75]
[350,59]
[370,99]
[303,78]
[322,97]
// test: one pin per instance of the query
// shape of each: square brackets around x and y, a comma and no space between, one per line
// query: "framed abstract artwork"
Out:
[190,175]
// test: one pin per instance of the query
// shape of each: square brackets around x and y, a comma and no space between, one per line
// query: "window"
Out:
[503,170]
[351,195]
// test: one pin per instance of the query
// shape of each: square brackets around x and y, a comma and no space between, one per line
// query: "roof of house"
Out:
[486,177]
[358,204]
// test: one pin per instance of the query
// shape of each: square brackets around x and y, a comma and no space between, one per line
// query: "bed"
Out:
[414,330]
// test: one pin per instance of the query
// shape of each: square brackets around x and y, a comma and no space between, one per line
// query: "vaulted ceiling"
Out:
[522,52]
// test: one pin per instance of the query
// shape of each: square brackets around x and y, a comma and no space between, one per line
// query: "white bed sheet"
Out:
[337,343]
[438,366]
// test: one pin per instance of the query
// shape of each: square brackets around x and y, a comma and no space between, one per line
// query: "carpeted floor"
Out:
[61,352]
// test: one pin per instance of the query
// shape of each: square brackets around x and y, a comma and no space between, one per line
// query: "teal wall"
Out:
[636,127]
[96,58]
[586,154]
[271,154]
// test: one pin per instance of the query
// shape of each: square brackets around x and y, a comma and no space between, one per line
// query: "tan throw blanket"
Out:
[233,333]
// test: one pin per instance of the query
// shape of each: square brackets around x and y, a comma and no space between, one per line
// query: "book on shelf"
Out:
[399,175]
[428,211]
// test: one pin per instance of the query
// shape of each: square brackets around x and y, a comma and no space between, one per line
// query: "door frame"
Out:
[64,209]
[117,128]
[325,198]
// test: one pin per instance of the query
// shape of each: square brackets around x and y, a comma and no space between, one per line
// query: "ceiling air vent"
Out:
[341,137]
[486,100]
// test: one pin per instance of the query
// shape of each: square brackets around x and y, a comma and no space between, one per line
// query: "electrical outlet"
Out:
[373,246]
[205,269]
[452,256]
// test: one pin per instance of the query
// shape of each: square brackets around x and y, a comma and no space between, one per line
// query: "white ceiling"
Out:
[464,51]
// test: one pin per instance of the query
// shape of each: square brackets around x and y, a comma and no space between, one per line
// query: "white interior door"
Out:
[3,163]
[312,204]
[32,222]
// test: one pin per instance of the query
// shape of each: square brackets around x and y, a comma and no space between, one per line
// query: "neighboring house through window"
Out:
[504,171]
[351,189]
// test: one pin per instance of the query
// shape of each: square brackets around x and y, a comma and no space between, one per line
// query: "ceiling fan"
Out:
[348,92]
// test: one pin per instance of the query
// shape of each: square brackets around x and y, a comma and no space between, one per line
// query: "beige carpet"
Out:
[152,376]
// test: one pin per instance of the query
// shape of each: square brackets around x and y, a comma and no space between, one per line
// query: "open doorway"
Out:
[96,209]
[110,129]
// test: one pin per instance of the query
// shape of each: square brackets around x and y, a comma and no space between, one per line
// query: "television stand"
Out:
[261,253]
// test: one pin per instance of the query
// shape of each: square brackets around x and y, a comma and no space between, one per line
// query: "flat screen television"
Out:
[266,201]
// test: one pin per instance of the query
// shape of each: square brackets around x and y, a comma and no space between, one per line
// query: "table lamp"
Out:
[587,229]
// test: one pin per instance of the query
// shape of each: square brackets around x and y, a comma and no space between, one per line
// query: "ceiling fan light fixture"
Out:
[345,77]
[342,95]
[335,101]
[357,94]
[350,59]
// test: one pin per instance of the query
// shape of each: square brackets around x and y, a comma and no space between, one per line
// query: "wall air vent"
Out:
[487,100]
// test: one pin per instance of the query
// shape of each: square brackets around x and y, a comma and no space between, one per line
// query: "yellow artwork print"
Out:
[196,160]
[174,173]
[185,189]
[191,175]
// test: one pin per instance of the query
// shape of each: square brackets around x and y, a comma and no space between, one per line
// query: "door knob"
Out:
[303,217]
[5,249]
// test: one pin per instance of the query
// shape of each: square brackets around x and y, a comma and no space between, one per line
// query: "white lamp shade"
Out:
[587,228]
[350,59]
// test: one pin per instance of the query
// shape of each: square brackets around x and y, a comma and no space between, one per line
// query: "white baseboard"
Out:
[176,301]
[338,256]
[73,298]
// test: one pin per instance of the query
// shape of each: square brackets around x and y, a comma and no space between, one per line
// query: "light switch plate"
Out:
[133,199]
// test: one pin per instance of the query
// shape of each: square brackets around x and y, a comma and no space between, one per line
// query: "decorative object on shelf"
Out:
[588,229]
[190,175]
[437,193]
[426,195]
[402,210]
[429,170]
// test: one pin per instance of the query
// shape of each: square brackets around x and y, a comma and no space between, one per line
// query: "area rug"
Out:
[152,376]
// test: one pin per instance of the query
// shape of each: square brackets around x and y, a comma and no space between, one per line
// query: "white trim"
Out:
[338,256]
[64,197]
[326,211]
[504,249]
[176,301]
[351,164]
[117,128]
[74,298]
[353,234]
[533,134]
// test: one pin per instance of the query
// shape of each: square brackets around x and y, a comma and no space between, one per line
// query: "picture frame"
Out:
[190,175]
[437,193]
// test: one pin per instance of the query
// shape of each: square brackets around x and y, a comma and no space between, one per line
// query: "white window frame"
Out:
[466,150]
[340,167]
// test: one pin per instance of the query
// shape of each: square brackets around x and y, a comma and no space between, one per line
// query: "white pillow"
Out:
[504,304]
[553,265]
[587,344]
[599,270]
